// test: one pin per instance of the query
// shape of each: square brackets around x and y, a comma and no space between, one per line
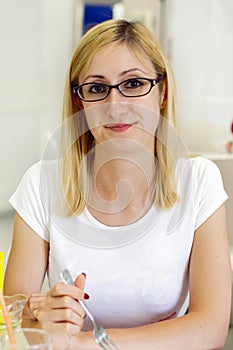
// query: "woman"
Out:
[138,224]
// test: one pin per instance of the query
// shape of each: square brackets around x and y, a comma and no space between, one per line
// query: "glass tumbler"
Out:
[27,339]
[14,304]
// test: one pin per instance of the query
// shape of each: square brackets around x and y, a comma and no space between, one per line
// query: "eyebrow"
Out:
[132,70]
[99,76]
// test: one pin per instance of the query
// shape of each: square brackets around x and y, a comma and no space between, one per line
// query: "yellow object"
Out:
[1,278]
[1,270]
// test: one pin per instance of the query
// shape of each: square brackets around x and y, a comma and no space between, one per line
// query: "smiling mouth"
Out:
[119,127]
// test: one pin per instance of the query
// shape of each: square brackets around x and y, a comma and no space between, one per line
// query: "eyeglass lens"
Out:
[129,88]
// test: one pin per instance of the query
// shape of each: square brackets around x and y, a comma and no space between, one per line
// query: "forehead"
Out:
[114,59]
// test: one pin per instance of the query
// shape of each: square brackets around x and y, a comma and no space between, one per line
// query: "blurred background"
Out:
[37,38]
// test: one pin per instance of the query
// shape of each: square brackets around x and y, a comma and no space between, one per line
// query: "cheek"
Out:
[150,110]
[92,118]
[154,102]
[151,101]
[94,121]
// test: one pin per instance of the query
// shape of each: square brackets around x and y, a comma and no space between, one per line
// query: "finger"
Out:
[61,327]
[34,300]
[64,302]
[61,289]
[60,316]
[35,313]
[37,295]
[80,281]
[27,312]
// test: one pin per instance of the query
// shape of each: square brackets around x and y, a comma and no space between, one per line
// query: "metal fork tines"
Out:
[100,335]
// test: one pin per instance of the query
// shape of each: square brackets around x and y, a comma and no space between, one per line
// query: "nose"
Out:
[116,110]
[115,95]
[116,104]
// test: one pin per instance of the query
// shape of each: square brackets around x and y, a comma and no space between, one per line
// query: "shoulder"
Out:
[197,167]
[40,178]
[35,171]
[31,175]
[200,177]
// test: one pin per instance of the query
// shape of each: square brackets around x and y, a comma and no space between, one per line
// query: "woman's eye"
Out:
[97,89]
[133,84]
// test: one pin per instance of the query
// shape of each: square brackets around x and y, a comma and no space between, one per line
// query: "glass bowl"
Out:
[15,305]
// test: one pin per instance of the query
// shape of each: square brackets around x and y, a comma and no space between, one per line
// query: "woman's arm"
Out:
[27,262]
[26,266]
[206,324]
[25,274]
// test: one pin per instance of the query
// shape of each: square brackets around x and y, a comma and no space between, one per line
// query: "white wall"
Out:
[19,37]
[36,40]
[200,35]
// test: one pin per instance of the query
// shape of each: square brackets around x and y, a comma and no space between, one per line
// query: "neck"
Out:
[119,180]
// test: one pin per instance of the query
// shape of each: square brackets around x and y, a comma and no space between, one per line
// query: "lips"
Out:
[119,127]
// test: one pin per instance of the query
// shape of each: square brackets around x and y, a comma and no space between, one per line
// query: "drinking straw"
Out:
[7,320]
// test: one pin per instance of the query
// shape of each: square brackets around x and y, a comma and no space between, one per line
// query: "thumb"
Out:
[80,281]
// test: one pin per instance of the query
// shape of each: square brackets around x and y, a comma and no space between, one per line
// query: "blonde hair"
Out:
[137,38]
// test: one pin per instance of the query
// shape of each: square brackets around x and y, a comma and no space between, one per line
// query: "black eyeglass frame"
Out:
[153,83]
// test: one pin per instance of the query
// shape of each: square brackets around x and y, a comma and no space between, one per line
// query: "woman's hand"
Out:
[33,303]
[58,311]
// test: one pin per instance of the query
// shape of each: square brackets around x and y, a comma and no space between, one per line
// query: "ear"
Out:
[77,102]
[163,96]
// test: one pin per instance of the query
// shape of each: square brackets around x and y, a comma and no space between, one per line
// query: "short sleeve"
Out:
[209,190]
[26,200]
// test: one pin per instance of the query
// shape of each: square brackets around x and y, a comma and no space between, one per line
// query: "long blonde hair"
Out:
[137,38]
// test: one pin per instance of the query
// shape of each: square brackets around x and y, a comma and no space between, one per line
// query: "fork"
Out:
[100,335]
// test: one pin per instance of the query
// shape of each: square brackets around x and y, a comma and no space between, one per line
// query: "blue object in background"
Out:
[94,14]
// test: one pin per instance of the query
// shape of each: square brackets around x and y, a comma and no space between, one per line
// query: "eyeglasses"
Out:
[134,87]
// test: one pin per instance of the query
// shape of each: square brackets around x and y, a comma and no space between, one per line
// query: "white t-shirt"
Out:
[136,274]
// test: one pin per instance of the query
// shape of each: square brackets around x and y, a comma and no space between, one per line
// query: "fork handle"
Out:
[67,279]
[87,310]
